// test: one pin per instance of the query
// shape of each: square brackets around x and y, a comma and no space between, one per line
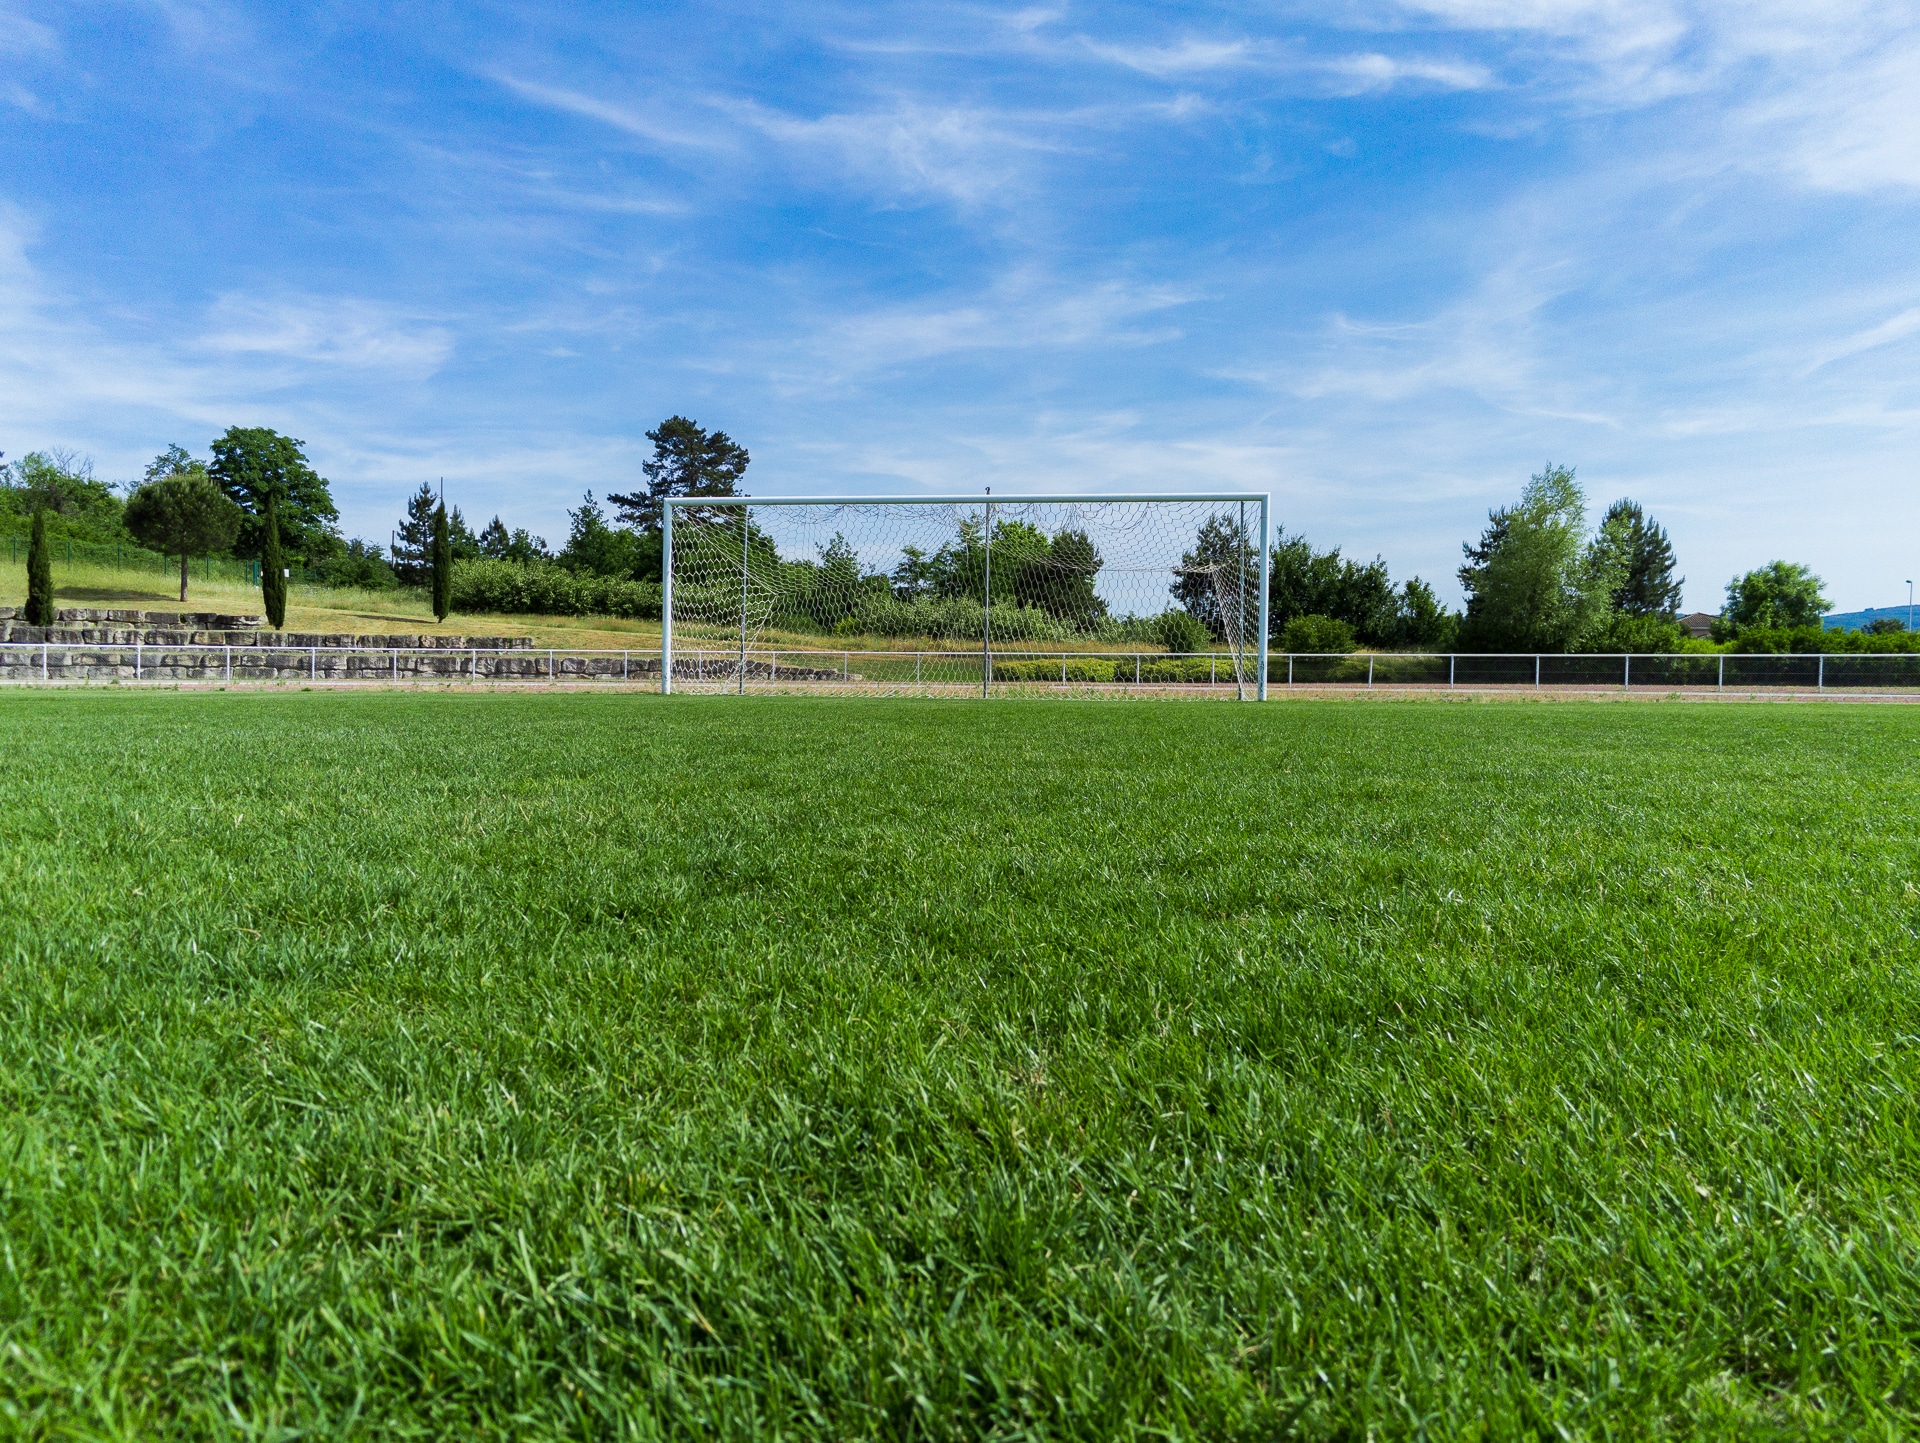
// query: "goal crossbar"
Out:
[1262,501]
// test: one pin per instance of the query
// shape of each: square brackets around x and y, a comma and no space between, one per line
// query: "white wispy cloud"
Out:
[340,332]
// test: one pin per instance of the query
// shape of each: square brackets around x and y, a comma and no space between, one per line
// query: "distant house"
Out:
[1699,623]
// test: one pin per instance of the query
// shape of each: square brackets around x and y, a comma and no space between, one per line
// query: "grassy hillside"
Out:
[315,608]
[496,1066]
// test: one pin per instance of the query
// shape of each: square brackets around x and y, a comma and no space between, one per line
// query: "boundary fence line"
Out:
[854,670]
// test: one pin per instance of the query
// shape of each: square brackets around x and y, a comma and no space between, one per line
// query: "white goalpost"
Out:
[965,594]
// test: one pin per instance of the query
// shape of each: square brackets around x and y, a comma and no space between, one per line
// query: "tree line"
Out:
[1537,579]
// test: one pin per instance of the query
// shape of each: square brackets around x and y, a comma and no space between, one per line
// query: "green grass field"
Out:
[488,1066]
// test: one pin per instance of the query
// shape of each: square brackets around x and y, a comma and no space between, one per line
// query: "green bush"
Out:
[948,618]
[1316,634]
[1805,640]
[1091,669]
[1175,630]
[1641,635]
[509,589]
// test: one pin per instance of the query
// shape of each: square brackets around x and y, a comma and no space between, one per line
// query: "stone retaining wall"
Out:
[18,632]
[268,663]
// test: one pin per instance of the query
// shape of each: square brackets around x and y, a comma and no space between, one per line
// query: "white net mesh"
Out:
[993,595]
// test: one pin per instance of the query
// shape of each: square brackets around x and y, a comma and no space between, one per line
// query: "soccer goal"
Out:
[978,594]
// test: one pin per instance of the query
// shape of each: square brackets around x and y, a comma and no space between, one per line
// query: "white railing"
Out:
[818,668]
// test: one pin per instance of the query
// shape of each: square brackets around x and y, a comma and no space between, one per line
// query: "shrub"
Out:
[507,588]
[1806,640]
[1316,634]
[1177,630]
[1092,668]
[1638,634]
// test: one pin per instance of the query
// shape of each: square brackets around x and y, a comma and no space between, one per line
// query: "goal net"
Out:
[979,595]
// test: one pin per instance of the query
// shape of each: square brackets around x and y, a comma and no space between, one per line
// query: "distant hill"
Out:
[1854,620]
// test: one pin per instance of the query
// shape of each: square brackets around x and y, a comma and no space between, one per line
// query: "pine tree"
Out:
[1647,585]
[39,574]
[442,565]
[413,538]
[273,573]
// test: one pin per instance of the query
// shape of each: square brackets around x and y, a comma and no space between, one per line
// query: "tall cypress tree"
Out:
[39,574]
[442,564]
[273,574]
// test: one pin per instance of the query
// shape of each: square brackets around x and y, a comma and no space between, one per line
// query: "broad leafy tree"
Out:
[62,485]
[599,549]
[1306,582]
[1424,624]
[1779,594]
[1535,582]
[182,513]
[688,460]
[251,464]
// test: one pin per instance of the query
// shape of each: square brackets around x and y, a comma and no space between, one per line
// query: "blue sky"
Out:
[1381,259]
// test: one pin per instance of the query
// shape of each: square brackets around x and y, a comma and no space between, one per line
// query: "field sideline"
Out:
[502,1066]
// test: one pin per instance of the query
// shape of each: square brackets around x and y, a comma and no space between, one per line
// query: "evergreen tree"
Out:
[496,544]
[1644,557]
[39,574]
[687,461]
[1223,562]
[442,565]
[273,565]
[413,538]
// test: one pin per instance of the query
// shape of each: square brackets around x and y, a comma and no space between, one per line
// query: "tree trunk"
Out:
[183,577]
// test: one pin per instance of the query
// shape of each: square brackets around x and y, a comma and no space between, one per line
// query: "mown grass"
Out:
[486,1066]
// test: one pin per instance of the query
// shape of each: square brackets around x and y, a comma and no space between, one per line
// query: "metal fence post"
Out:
[396,665]
[136,663]
[229,667]
[43,664]
[623,666]
[552,676]
[1536,670]
[1626,678]
[1450,661]
[313,665]
[1289,668]
[1369,668]
[916,668]
[1722,683]
[1063,668]
[1820,679]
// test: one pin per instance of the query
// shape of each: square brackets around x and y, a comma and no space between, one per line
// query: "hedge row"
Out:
[1124,669]
[506,588]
